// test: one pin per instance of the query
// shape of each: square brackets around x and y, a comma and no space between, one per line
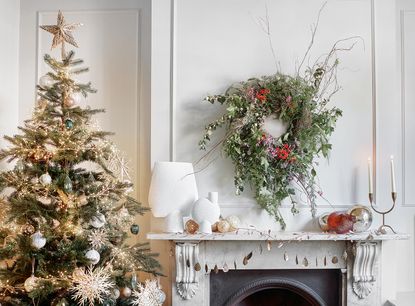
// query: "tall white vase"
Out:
[173,187]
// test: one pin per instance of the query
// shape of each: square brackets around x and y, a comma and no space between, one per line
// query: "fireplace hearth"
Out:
[314,287]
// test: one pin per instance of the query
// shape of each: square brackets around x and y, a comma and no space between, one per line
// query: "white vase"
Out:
[174,222]
[204,209]
[206,227]
[173,187]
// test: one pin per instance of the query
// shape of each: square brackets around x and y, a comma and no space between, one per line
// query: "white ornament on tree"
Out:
[30,283]
[98,220]
[73,100]
[45,179]
[115,293]
[46,81]
[93,256]
[38,240]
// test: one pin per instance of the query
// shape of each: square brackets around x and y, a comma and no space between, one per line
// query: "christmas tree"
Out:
[65,212]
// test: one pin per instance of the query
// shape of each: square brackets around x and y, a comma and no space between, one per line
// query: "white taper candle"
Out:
[393,182]
[369,171]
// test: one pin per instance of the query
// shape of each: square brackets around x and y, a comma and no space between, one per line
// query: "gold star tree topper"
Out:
[62,33]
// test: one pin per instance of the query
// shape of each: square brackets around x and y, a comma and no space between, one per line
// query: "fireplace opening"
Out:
[275,291]
[276,288]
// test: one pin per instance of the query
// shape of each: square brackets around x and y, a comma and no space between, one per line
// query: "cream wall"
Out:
[200,47]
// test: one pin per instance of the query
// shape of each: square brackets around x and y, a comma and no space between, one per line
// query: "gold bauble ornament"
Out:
[77,273]
[215,227]
[126,292]
[223,226]
[82,200]
[28,229]
[30,283]
[55,224]
[44,200]
[191,226]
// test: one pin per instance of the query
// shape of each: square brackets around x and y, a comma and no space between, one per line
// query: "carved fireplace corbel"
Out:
[363,268]
[187,278]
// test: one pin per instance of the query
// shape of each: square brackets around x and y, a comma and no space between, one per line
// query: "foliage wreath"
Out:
[276,166]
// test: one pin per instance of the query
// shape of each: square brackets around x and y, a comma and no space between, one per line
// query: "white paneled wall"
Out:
[9,50]
[208,45]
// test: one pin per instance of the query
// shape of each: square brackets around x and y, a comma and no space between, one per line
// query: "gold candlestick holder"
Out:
[383,228]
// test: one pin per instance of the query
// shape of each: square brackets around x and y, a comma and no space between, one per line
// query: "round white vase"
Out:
[204,209]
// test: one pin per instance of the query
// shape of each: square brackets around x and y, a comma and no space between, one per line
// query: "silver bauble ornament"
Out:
[30,283]
[38,241]
[126,292]
[46,81]
[45,179]
[362,218]
[115,293]
[93,256]
[98,220]
[73,100]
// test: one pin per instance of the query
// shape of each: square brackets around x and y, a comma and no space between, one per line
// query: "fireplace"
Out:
[314,287]
[276,268]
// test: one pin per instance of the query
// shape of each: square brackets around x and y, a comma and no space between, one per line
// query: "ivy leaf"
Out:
[313,172]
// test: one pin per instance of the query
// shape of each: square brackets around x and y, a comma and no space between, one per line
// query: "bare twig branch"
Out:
[313,35]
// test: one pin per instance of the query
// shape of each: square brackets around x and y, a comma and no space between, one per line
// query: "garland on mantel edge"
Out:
[278,166]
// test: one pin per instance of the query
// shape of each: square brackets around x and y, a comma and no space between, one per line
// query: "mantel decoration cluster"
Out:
[278,165]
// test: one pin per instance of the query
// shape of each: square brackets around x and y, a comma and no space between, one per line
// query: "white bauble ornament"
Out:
[98,220]
[30,283]
[234,222]
[93,256]
[46,81]
[203,209]
[115,293]
[38,241]
[161,297]
[45,179]
[73,100]
[126,292]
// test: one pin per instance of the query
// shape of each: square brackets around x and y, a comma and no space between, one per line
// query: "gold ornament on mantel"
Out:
[62,32]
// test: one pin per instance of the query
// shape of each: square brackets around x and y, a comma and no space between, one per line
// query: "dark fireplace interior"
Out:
[311,287]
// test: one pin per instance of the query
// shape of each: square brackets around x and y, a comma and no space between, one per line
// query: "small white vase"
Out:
[204,209]
[173,223]
[206,227]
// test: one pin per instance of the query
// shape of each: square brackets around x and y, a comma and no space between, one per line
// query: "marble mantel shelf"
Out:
[255,235]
